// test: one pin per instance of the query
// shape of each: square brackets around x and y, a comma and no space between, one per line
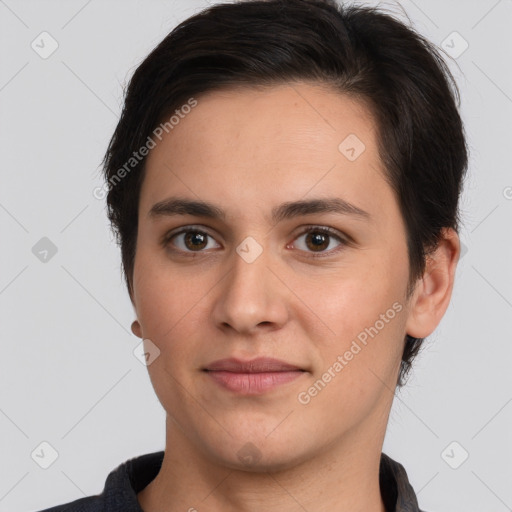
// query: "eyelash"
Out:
[310,229]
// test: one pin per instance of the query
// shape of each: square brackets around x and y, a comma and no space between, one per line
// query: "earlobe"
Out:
[136,329]
[433,291]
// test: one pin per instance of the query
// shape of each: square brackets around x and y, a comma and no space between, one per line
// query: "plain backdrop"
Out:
[68,374]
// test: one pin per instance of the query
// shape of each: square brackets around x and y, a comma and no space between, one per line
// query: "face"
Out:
[319,285]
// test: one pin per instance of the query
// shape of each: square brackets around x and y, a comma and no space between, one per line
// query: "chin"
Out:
[260,457]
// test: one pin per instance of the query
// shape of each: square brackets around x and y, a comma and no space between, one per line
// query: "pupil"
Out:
[197,240]
[319,240]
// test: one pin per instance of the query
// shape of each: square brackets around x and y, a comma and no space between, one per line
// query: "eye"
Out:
[319,239]
[190,240]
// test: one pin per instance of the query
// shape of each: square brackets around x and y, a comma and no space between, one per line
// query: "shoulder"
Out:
[121,487]
[89,504]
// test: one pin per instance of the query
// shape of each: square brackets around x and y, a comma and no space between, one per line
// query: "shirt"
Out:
[130,477]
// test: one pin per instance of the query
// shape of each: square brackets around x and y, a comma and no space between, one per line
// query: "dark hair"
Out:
[359,51]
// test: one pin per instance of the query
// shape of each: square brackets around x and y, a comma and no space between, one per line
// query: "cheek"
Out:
[169,310]
[364,310]
[162,297]
[173,307]
[353,297]
[358,365]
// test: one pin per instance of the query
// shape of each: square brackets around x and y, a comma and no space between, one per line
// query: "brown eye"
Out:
[195,240]
[190,240]
[317,241]
[320,240]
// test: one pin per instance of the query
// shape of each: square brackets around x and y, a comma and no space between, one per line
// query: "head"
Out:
[251,105]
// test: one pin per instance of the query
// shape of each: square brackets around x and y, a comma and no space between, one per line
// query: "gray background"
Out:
[68,375]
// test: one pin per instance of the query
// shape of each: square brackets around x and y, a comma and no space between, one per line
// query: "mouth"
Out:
[258,365]
[252,377]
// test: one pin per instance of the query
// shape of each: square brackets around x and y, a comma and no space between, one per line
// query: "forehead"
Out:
[253,144]
[270,117]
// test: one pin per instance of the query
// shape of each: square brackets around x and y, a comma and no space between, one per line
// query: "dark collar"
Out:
[397,493]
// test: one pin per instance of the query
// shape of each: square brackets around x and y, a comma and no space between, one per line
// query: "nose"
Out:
[251,297]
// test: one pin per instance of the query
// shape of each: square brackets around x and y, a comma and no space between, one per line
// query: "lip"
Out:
[252,377]
[258,365]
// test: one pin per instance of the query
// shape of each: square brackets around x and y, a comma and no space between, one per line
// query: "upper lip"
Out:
[258,365]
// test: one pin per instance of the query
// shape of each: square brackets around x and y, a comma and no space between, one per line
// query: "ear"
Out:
[433,291]
[136,329]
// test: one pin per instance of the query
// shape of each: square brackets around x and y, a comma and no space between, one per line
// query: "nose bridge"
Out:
[250,293]
[249,267]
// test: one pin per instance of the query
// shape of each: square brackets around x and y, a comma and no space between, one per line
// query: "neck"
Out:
[344,477]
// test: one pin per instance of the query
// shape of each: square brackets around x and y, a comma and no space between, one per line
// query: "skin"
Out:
[247,151]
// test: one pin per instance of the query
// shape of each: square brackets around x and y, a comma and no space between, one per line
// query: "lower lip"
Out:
[253,383]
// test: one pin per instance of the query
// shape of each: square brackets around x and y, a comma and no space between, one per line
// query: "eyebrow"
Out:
[181,206]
